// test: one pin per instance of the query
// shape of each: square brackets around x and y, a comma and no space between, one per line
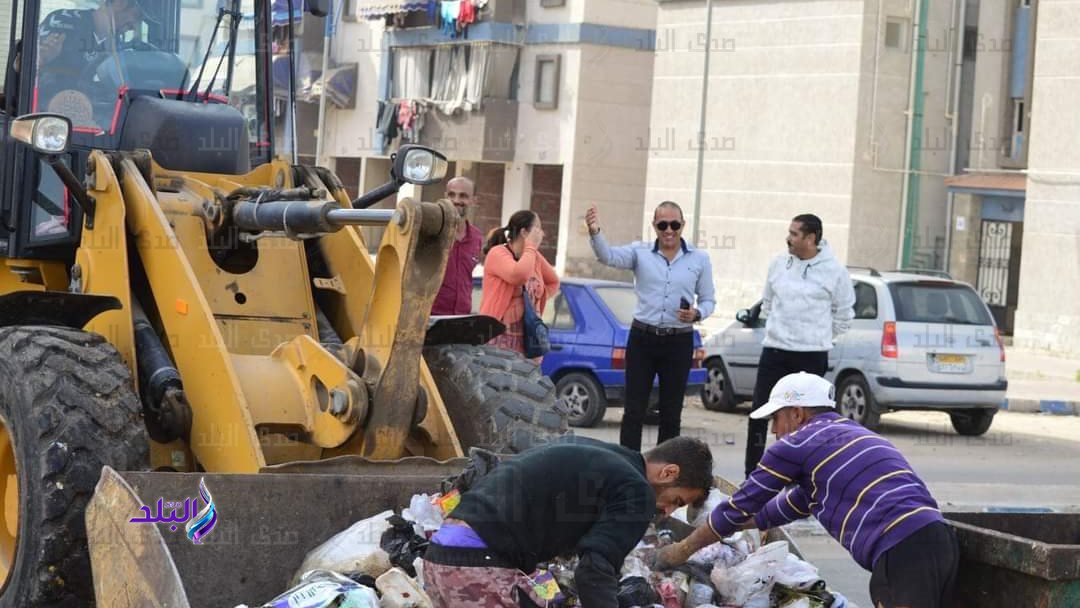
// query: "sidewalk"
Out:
[1041,383]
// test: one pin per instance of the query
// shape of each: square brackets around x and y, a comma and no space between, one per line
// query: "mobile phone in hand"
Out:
[684,304]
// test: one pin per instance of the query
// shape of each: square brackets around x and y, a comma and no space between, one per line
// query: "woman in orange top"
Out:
[512,260]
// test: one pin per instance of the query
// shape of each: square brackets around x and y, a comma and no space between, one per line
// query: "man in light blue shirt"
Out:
[669,275]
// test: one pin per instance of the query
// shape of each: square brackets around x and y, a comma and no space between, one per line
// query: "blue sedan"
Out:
[589,321]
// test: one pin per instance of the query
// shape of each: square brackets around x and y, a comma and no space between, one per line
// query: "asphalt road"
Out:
[1024,461]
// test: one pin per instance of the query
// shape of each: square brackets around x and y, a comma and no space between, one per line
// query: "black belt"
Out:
[660,331]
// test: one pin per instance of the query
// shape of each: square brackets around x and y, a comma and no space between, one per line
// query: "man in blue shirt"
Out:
[669,275]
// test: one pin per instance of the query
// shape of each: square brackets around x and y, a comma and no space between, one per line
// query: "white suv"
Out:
[919,341]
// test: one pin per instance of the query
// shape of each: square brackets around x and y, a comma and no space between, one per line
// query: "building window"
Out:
[348,171]
[349,10]
[547,82]
[895,33]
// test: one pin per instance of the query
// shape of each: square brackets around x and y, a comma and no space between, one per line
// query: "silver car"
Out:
[919,341]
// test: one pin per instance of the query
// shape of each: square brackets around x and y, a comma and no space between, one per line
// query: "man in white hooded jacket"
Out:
[808,301]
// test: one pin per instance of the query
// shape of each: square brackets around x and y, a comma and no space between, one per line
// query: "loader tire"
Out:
[67,407]
[496,399]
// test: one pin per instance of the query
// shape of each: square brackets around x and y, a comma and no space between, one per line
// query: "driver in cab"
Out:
[71,40]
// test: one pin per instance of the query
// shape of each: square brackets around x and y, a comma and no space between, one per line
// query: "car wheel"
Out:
[717,395]
[855,401]
[972,423]
[582,397]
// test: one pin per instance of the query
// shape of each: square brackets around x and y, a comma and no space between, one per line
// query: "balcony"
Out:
[466,90]
[410,14]
[486,135]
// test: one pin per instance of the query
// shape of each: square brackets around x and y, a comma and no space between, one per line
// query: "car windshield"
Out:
[621,301]
[90,52]
[935,302]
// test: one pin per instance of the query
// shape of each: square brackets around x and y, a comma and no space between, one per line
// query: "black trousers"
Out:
[773,365]
[649,356]
[920,571]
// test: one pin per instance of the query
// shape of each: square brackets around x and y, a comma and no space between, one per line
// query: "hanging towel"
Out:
[450,11]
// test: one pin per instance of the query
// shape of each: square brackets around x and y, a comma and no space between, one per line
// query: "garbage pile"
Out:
[377,563]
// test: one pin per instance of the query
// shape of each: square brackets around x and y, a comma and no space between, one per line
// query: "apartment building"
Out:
[840,108]
[543,103]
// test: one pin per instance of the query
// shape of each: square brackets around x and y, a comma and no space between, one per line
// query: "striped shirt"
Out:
[852,480]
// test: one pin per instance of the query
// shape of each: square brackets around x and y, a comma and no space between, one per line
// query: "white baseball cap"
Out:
[798,390]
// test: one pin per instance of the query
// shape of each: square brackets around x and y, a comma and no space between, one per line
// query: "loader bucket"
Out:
[266,524]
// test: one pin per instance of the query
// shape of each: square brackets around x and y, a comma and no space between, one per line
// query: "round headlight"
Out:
[419,166]
[51,134]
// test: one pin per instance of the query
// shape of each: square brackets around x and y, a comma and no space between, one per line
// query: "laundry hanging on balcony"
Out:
[375,9]
[459,77]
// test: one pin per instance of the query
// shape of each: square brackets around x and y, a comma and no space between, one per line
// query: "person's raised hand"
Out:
[535,236]
[592,220]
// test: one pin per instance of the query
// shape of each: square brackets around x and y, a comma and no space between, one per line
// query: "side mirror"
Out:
[419,165]
[413,164]
[319,8]
[743,316]
[46,133]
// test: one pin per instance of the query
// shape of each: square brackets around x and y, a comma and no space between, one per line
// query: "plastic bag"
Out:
[325,589]
[717,554]
[399,590]
[796,573]
[634,565]
[636,591]
[701,594]
[424,514]
[403,544]
[748,583]
[698,516]
[352,551]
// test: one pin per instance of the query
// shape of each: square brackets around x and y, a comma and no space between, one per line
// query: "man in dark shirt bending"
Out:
[575,496]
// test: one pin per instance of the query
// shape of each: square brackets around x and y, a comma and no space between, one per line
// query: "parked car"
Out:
[589,322]
[919,341]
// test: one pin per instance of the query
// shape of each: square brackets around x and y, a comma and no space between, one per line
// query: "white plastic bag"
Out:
[748,584]
[354,550]
[634,565]
[698,517]
[796,574]
[717,554]
[324,589]
[399,590]
[424,514]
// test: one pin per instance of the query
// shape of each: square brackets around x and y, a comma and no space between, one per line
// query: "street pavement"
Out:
[1039,382]
[1024,461]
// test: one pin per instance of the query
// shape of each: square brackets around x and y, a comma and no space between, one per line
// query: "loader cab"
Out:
[190,81]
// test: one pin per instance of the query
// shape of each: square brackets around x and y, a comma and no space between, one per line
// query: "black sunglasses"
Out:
[663,226]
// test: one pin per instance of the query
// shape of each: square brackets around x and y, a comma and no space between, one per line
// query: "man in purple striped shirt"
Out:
[856,483]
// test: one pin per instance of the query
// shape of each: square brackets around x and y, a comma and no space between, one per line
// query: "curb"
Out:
[1055,407]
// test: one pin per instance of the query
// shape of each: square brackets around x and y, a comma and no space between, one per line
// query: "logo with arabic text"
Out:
[198,523]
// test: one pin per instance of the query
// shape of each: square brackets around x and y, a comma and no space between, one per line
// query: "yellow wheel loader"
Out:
[181,305]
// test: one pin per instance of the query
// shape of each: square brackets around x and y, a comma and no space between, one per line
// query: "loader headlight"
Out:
[46,133]
[420,165]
